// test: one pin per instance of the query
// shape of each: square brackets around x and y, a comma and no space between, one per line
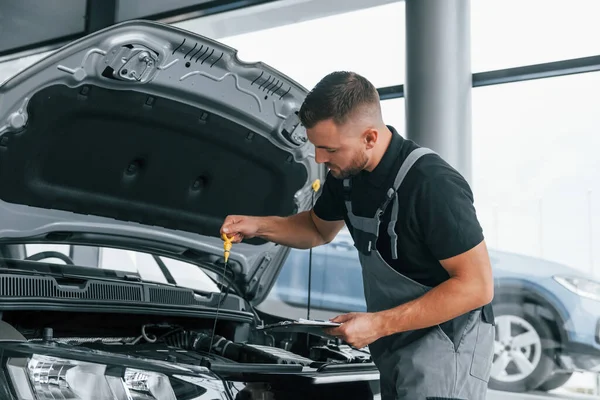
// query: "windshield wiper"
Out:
[164,270]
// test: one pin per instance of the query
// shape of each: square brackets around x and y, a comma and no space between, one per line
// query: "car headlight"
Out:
[45,377]
[581,286]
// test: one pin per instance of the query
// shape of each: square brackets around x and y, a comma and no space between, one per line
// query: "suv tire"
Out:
[524,349]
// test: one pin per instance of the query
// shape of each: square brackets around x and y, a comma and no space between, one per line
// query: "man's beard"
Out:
[358,164]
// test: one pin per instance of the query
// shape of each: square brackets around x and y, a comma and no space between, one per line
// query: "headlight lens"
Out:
[581,286]
[45,377]
[146,385]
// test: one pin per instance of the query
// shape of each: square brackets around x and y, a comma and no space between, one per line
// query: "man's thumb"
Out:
[233,226]
[235,229]
[343,318]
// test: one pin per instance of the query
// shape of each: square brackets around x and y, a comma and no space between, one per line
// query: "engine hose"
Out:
[201,342]
[182,340]
[238,352]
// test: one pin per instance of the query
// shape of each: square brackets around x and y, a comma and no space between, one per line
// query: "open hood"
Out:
[144,135]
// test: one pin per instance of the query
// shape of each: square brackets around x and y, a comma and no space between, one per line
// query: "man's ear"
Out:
[370,138]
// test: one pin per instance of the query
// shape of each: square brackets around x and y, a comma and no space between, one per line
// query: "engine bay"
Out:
[52,321]
[181,340]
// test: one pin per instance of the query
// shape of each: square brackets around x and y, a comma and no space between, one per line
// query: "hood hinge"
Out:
[132,63]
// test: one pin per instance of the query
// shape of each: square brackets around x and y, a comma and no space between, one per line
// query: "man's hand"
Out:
[240,227]
[357,329]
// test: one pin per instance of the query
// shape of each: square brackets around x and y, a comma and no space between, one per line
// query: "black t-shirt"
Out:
[436,218]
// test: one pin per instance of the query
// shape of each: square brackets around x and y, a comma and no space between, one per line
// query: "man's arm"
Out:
[470,286]
[302,231]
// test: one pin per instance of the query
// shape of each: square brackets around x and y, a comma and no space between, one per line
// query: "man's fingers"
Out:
[228,224]
[232,234]
[337,332]
[228,227]
[237,237]
[343,318]
[336,319]
[233,227]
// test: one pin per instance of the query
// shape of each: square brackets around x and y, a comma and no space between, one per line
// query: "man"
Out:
[426,271]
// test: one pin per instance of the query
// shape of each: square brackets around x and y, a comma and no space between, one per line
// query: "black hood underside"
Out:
[146,159]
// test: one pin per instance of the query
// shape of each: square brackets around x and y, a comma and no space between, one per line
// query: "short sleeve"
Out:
[446,216]
[329,206]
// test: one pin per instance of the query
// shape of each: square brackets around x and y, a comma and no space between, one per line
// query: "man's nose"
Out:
[320,157]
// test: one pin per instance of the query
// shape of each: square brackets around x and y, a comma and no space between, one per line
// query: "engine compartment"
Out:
[182,340]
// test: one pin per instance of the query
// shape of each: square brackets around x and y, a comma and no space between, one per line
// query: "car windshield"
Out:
[150,268]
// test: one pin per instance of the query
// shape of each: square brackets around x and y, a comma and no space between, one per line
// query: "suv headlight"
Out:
[581,286]
[45,377]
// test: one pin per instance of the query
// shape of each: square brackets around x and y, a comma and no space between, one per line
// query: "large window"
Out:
[368,41]
[394,114]
[536,169]
[536,180]
[512,33]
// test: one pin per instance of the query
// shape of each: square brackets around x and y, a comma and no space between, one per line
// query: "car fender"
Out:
[548,304]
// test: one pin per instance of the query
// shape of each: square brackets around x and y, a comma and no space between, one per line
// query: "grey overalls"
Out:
[424,364]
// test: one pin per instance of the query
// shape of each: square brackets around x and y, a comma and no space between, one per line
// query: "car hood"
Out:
[511,264]
[147,136]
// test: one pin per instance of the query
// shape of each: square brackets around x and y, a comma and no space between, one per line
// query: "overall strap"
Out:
[392,194]
[366,229]
[347,185]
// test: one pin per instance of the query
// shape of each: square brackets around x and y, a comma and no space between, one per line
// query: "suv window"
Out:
[292,284]
[336,279]
[342,279]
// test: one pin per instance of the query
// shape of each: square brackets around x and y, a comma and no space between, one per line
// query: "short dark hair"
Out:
[337,96]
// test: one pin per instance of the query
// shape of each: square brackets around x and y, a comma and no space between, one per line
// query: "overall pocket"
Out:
[483,352]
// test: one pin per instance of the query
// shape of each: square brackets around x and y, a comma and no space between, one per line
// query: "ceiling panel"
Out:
[30,26]
[25,23]
[132,9]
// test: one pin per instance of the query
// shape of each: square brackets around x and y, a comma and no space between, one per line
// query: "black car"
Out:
[140,139]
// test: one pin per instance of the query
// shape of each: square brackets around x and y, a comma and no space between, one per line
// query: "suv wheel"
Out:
[555,381]
[523,350]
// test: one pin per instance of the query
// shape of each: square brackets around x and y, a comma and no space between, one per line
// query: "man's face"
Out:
[342,150]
